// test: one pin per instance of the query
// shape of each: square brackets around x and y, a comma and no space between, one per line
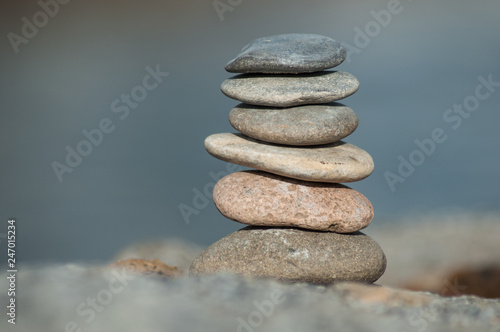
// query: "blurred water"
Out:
[65,79]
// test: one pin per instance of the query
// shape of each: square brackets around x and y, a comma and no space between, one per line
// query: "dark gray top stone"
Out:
[288,53]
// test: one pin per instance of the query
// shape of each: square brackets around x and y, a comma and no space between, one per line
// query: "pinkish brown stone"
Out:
[263,199]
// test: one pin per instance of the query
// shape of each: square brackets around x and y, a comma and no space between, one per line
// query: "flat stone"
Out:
[290,90]
[389,297]
[262,199]
[334,162]
[289,53]
[295,255]
[300,125]
[172,251]
[155,268]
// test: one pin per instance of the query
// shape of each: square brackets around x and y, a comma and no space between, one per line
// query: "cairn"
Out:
[304,224]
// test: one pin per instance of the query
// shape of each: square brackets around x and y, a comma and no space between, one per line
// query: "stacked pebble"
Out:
[304,223]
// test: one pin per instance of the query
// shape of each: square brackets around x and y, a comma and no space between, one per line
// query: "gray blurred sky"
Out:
[129,188]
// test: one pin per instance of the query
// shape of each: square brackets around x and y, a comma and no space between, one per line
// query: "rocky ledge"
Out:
[78,298]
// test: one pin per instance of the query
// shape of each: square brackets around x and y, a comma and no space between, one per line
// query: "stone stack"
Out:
[304,224]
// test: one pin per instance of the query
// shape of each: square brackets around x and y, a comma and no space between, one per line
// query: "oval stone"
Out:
[288,53]
[334,162]
[263,199]
[290,90]
[295,255]
[300,125]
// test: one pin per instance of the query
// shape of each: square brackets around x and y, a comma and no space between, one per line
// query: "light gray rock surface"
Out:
[290,254]
[288,53]
[335,163]
[300,125]
[262,199]
[290,90]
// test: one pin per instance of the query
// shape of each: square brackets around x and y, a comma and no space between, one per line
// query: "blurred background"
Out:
[63,77]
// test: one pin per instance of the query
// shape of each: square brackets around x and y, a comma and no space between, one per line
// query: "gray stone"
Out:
[262,199]
[300,125]
[289,53]
[335,162]
[290,254]
[290,90]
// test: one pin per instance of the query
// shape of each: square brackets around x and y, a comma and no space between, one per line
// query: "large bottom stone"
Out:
[290,254]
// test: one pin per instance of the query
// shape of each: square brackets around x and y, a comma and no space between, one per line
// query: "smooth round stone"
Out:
[295,255]
[263,199]
[290,90]
[334,162]
[300,125]
[289,53]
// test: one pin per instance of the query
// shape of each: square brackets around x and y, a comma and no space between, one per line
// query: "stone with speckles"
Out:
[290,90]
[293,255]
[333,163]
[299,125]
[262,199]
